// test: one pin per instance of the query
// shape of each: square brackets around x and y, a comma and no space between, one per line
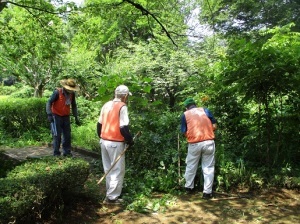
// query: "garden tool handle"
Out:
[117,159]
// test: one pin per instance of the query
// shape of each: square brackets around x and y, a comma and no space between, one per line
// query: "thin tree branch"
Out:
[35,8]
[146,12]
[35,17]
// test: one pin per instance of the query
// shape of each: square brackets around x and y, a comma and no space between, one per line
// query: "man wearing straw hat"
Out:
[58,112]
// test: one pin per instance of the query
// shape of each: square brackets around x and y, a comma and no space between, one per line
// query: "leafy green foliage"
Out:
[144,204]
[239,17]
[255,102]
[86,136]
[36,186]
[7,90]
[158,76]
[6,164]
[249,80]
[155,142]
[36,59]
[19,116]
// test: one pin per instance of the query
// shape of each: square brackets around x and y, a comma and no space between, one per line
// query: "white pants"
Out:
[206,150]
[114,180]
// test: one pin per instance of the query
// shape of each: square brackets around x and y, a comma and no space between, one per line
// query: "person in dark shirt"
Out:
[198,125]
[58,113]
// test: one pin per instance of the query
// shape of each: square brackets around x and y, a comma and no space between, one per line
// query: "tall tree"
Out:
[236,17]
[111,24]
[264,71]
[32,45]
[159,74]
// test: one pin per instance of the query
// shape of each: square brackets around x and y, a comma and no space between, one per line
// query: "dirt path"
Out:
[277,206]
[273,206]
[41,151]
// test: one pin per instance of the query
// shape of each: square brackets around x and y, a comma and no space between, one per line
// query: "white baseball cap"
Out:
[122,90]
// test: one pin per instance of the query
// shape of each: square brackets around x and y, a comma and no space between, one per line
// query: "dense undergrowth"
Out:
[156,162]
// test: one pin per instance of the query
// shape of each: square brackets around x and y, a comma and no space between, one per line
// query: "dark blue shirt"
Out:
[55,96]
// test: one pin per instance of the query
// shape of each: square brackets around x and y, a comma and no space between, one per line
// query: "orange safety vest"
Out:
[59,107]
[199,126]
[111,123]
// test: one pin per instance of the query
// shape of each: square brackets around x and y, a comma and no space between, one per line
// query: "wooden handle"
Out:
[117,159]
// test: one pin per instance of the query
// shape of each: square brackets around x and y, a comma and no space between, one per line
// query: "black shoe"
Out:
[207,196]
[68,155]
[189,190]
[117,201]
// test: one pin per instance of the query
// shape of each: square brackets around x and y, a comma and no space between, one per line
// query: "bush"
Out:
[86,137]
[31,189]
[18,116]
[7,164]
[7,90]
[23,92]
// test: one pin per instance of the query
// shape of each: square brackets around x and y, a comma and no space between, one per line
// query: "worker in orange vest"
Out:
[113,129]
[198,125]
[58,112]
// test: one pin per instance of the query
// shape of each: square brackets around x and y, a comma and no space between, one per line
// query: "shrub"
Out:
[34,187]
[23,92]
[18,116]
[85,136]
[7,164]
[7,90]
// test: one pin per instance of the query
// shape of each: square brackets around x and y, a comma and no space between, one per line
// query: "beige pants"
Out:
[206,151]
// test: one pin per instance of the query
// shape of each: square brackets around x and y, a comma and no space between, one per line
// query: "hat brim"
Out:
[63,83]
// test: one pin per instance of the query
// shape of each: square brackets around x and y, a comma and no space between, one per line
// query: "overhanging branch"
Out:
[36,8]
[146,12]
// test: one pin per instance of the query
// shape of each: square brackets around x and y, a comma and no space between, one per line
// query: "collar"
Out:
[116,100]
[191,107]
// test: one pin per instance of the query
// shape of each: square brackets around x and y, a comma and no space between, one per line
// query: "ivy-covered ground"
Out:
[266,206]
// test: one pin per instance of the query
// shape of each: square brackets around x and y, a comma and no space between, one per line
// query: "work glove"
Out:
[77,121]
[50,118]
[130,143]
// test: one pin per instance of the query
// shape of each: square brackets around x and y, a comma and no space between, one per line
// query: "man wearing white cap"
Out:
[113,129]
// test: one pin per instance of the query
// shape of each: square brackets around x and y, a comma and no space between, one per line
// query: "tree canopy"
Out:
[246,70]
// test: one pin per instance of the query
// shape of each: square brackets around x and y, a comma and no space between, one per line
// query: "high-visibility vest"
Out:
[199,126]
[111,122]
[59,107]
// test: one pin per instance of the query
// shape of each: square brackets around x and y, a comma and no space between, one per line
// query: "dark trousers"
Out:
[63,128]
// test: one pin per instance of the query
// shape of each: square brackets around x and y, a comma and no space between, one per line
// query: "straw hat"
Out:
[69,84]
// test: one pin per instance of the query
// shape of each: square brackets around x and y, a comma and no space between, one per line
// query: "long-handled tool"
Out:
[179,171]
[117,159]
[53,127]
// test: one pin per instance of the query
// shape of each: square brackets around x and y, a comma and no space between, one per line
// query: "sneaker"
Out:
[68,155]
[189,190]
[113,202]
[207,196]
[56,154]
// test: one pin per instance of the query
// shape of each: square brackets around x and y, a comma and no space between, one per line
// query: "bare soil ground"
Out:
[274,206]
[270,206]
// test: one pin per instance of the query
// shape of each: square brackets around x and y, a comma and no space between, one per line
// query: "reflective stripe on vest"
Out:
[199,126]
[59,107]
[111,122]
